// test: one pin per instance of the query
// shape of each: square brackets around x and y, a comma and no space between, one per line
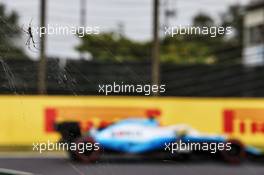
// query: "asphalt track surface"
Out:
[62,166]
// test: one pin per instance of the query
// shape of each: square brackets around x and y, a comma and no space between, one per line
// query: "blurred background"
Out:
[204,76]
[190,65]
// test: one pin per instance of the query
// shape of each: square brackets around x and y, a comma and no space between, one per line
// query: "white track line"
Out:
[15,172]
[76,169]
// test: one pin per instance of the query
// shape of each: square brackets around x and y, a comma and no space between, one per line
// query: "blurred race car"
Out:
[141,136]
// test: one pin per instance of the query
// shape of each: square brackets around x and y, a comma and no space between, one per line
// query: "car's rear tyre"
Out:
[69,131]
[236,154]
[73,156]
[86,156]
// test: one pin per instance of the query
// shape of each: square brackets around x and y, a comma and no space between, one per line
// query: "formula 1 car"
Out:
[141,136]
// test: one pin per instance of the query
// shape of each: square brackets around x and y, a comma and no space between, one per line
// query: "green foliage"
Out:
[233,45]
[9,31]
[202,19]
[180,49]
[234,17]
[110,47]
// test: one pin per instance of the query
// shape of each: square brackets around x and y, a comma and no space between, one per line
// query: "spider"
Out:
[30,39]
